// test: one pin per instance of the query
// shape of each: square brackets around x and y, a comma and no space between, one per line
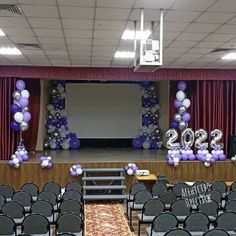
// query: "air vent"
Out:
[223,49]
[12,9]
[27,46]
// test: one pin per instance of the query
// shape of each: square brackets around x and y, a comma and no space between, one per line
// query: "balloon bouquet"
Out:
[21,117]
[131,168]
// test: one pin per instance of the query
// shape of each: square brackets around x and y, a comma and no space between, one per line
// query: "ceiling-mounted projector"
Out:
[148,53]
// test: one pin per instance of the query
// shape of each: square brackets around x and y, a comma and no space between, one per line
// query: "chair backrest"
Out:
[72,194]
[65,234]
[142,196]
[53,187]
[69,223]
[2,200]
[199,182]
[23,198]
[70,205]
[42,207]
[215,195]
[7,225]
[231,195]
[233,186]
[158,188]
[179,208]
[177,188]
[197,222]
[226,221]
[36,224]
[74,185]
[48,196]
[30,188]
[164,222]
[210,209]
[231,206]
[168,197]
[153,207]
[136,188]
[220,186]
[13,209]
[177,232]
[6,190]
[216,232]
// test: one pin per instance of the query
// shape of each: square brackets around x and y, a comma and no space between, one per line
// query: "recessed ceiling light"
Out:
[229,56]
[10,51]
[130,34]
[124,54]
[2,33]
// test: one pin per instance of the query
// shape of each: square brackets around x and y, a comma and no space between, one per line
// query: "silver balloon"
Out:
[26,109]
[177,117]
[171,136]
[55,134]
[54,91]
[182,125]
[182,110]
[187,137]
[46,145]
[24,126]
[201,136]
[146,145]
[217,135]
[16,95]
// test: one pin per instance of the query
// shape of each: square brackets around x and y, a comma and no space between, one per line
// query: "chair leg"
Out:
[130,215]
[139,227]
[127,209]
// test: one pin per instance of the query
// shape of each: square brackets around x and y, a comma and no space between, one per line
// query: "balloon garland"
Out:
[150,136]
[59,135]
[130,169]
[76,170]
[20,123]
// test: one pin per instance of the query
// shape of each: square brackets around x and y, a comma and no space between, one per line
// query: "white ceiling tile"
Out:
[109,25]
[191,36]
[107,34]
[57,52]
[79,48]
[77,24]
[175,50]
[127,43]
[219,37]
[77,12]
[46,23]
[48,32]
[37,2]
[78,41]
[13,22]
[32,52]
[214,17]
[115,3]
[23,39]
[3,61]
[154,4]
[202,28]
[78,3]
[181,43]
[149,15]
[80,55]
[60,62]
[224,6]
[192,5]
[233,21]
[8,1]
[226,29]
[212,45]
[58,57]
[104,49]
[19,32]
[78,33]
[170,35]
[37,62]
[54,46]
[112,13]
[171,56]
[7,45]
[180,16]
[175,27]
[228,45]
[51,40]
[197,64]
[4,40]
[40,11]
[190,57]
[202,51]
[106,42]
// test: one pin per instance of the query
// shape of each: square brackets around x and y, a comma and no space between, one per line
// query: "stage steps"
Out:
[103,184]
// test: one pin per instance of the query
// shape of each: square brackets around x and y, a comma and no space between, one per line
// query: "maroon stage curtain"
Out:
[8,139]
[212,106]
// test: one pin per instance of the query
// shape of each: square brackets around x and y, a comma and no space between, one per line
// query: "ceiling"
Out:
[87,33]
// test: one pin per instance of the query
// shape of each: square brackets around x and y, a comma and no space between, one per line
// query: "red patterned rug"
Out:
[105,219]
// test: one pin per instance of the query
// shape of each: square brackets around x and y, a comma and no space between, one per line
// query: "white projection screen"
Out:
[103,110]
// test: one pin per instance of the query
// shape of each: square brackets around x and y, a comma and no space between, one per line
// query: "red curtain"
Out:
[212,106]
[8,139]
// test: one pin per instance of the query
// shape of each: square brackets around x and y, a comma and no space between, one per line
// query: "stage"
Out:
[153,160]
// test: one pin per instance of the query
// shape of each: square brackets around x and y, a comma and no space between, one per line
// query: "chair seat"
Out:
[35,198]
[167,206]
[50,219]
[130,198]
[212,218]
[76,234]
[47,234]
[197,233]
[146,219]
[134,206]
[148,231]
[181,218]
[27,208]
[19,221]
[231,233]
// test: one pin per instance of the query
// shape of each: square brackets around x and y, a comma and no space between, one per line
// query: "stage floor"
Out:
[87,155]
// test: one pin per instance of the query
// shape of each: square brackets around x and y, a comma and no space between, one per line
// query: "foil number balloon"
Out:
[217,136]
[187,137]
[201,136]
[171,136]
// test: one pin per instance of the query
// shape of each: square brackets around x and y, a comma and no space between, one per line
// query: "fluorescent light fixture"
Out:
[124,54]
[2,33]
[229,56]
[10,51]
[130,34]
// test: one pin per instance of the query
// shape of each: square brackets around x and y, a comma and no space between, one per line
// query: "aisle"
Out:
[105,219]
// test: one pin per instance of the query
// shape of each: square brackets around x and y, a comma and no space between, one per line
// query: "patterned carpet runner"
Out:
[105,219]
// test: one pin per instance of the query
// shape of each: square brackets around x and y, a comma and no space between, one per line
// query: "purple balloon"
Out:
[20,159]
[14,108]
[126,168]
[20,85]
[26,116]
[15,126]
[137,143]
[78,166]
[170,162]
[212,161]
[184,157]
[25,157]
[135,168]
[174,125]
[11,163]
[222,157]
[73,173]
[177,103]
[42,158]
[215,157]
[191,157]
[74,143]
[182,85]
[186,117]
[49,165]
[24,102]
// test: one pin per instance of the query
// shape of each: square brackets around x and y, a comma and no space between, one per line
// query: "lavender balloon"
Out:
[177,103]
[20,85]
[24,102]
[182,85]
[26,116]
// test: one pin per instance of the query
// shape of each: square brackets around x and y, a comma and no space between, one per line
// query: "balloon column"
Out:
[76,170]
[59,135]
[46,162]
[150,136]
[130,168]
[182,117]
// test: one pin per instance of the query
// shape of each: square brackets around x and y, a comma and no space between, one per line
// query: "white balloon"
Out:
[15,161]
[25,93]
[49,107]
[146,145]
[49,158]
[79,171]
[130,172]
[207,164]
[180,95]
[186,102]
[18,117]
[176,159]
[44,163]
